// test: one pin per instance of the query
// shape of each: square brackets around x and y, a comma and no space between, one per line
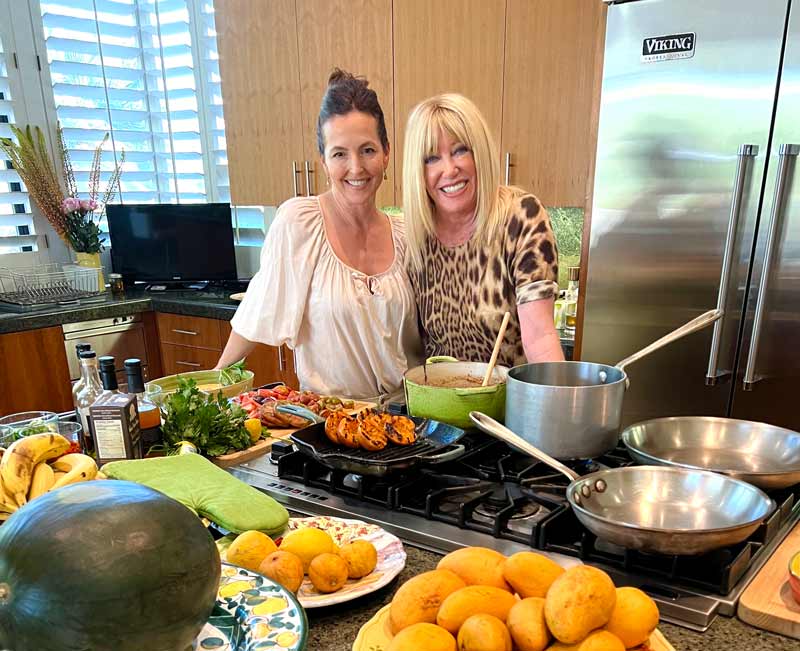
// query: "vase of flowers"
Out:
[54,190]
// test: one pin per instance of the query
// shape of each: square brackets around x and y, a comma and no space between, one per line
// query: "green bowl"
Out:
[169,384]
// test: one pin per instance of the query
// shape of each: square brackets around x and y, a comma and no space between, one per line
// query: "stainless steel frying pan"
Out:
[655,508]
[760,454]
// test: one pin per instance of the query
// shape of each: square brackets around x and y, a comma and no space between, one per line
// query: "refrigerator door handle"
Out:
[785,154]
[745,152]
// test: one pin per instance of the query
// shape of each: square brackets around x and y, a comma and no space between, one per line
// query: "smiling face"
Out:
[451,179]
[354,159]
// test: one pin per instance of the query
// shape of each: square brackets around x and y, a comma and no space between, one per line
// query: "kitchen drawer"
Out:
[181,359]
[193,331]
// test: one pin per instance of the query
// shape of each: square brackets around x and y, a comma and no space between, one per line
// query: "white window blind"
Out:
[16,222]
[146,71]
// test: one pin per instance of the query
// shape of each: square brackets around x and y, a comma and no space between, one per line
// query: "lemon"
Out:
[253,427]
[308,543]
[249,549]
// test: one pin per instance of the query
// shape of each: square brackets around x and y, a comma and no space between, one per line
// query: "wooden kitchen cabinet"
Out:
[447,46]
[275,60]
[33,372]
[553,58]
[258,60]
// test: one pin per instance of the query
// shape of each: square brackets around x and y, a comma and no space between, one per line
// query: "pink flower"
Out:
[70,204]
[85,206]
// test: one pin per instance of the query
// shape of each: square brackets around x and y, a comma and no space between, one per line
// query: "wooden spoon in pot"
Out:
[496,351]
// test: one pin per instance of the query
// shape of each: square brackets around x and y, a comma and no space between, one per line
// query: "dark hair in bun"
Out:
[347,93]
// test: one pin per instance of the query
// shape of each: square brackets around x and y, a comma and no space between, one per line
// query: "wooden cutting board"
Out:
[265,445]
[767,602]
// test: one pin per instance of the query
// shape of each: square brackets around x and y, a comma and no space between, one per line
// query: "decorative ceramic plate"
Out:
[391,559]
[253,614]
[376,634]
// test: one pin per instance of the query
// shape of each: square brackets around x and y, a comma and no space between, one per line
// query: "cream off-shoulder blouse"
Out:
[353,335]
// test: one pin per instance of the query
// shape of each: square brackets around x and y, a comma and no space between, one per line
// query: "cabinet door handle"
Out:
[192,364]
[184,332]
[508,166]
[295,172]
[309,172]
[281,360]
[745,152]
[785,154]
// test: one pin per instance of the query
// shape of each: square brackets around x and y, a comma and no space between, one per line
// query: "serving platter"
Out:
[376,635]
[253,613]
[391,559]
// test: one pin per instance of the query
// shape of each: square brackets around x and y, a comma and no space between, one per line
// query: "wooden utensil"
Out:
[496,351]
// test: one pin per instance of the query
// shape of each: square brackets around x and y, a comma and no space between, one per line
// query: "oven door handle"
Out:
[85,334]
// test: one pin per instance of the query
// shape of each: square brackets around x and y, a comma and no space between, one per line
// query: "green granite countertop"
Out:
[214,304]
[335,628]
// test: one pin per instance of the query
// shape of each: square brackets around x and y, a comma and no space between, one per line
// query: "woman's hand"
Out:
[539,337]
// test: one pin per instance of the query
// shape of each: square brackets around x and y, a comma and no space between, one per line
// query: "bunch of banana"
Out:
[26,474]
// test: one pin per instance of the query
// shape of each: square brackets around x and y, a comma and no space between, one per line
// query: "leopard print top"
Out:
[463,291]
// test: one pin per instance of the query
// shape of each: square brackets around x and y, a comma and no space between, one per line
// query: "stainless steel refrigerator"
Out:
[697,205]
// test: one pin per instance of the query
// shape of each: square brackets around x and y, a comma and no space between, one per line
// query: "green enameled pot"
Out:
[453,404]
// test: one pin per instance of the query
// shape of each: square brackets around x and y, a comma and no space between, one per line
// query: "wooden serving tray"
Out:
[767,602]
[265,445]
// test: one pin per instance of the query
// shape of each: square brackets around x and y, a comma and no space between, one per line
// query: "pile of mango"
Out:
[480,600]
[307,551]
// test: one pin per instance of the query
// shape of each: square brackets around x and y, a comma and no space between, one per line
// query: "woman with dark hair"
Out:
[333,284]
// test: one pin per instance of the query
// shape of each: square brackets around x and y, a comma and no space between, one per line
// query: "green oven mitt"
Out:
[208,490]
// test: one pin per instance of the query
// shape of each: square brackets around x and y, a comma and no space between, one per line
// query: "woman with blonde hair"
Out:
[476,248]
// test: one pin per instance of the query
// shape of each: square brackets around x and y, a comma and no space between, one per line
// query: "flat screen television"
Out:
[167,243]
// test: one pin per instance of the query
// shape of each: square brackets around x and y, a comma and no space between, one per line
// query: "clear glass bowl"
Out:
[15,426]
[71,431]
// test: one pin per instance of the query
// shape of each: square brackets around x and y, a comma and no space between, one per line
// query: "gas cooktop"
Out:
[494,496]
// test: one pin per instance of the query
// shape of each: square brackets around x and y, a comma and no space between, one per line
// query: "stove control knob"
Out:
[280,448]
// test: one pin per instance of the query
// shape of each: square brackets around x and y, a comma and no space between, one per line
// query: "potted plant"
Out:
[54,190]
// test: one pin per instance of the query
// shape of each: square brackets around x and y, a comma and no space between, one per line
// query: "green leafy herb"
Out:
[211,423]
[232,374]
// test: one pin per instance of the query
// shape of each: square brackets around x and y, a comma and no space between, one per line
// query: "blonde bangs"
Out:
[461,119]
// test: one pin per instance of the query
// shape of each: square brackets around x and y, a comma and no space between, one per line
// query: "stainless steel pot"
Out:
[573,410]
[764,455]
[675,511]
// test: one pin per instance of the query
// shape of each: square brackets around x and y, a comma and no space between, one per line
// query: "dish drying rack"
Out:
[48,284]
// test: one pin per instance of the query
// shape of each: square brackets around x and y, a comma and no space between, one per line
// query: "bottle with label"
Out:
[149,413]
[115,419]
[90,390]
[571,300]
[79,348]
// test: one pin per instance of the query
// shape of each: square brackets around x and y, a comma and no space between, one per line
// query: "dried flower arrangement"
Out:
[76,220]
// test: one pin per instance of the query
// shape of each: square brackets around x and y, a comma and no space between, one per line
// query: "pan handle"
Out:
[455,452]
[297,410]
[698,323]
[492,427]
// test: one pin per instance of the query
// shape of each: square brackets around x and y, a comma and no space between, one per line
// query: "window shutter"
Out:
[17,232]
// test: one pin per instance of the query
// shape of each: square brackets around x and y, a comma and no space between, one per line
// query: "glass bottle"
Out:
[90,391]
[571,300]
[108,375]
[79,348]
[149,413]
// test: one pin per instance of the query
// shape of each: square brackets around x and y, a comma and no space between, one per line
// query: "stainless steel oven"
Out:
[120,336]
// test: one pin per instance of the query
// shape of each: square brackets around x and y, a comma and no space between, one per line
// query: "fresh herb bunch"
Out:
[211,423]
[232,374]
